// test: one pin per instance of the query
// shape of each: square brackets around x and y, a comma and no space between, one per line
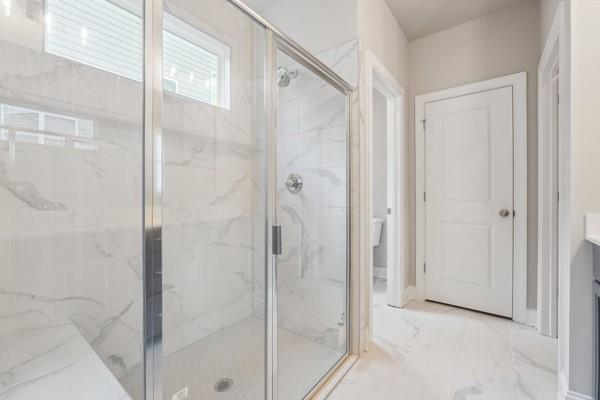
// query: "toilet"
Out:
[376,228]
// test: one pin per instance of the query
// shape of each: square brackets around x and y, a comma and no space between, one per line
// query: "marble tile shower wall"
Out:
[208,211]
[70,219]
[312,134]
[70,215]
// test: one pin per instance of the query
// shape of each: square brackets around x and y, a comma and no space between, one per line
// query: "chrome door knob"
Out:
[504,213]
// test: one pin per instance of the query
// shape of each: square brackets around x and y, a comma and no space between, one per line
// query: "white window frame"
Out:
[192,34]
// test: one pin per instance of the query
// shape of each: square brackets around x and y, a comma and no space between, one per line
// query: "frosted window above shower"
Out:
[108,35]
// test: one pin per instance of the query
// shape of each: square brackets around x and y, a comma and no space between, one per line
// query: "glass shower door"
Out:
[228,329]
[213,206]
[312,210]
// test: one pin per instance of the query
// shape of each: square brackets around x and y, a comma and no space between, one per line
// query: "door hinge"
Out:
[557,196]
[424,268]
[424,196]
[424,122]
[514,214]
[276,233]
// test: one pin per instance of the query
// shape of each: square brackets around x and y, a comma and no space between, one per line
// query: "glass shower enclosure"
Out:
[174,204]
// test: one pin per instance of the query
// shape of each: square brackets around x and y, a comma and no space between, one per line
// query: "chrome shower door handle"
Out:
[294,183]
[504,213]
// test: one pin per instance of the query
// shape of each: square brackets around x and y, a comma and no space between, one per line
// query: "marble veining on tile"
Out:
[431,351]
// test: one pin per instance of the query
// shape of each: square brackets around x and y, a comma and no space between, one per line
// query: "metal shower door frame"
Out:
[152,192]
[275,41]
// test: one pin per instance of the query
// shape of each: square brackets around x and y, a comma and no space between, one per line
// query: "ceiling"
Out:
[420,18]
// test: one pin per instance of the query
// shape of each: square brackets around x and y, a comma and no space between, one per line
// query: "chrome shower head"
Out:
[285,76]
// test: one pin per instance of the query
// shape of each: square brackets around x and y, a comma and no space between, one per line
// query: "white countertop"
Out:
[592,228]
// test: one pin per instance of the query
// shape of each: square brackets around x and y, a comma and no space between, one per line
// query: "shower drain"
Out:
[223,385]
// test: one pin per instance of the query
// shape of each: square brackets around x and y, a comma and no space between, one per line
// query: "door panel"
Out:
[312,271]
[469,181]
[213,187]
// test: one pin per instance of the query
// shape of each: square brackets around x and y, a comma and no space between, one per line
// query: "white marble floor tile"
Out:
[431,351]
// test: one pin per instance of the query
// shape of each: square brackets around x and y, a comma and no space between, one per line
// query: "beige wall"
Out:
[585,183]
[498,44]
[547,11]
[380,33]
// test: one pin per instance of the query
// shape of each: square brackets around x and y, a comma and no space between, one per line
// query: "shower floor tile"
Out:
[237,353]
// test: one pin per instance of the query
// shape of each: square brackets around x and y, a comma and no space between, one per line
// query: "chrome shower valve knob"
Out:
[294,183]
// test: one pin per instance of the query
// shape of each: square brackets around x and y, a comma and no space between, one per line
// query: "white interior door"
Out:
[469,201]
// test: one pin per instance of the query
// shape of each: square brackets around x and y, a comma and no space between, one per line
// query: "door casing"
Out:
[518,82]
[552,176]
[377,76]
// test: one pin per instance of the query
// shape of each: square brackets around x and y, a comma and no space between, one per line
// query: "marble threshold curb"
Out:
[335,377]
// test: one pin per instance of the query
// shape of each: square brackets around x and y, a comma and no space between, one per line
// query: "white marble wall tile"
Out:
[325,187]
[70,213]
[325,226]
[323,109]
[332,267]
[75,372]
[57,352]
[112,329]
[70,217]
[334,147]
[69,248]
[293,222]
[288,117]
[343,59]
[299,151]
[124,280]
[289,262]
[312,309]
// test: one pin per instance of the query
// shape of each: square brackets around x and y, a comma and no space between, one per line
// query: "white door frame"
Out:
[518,82]
[550,171]
[378,77]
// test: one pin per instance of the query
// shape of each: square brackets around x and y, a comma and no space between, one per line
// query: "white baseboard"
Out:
[565,394]
[532,317]
[380,272]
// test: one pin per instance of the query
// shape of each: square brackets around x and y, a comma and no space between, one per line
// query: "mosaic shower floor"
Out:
[237,353]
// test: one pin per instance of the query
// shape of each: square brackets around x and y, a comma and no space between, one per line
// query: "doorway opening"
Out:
[384,214]
[382,228]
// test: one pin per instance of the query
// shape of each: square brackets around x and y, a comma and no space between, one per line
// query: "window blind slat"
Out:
[105,36]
